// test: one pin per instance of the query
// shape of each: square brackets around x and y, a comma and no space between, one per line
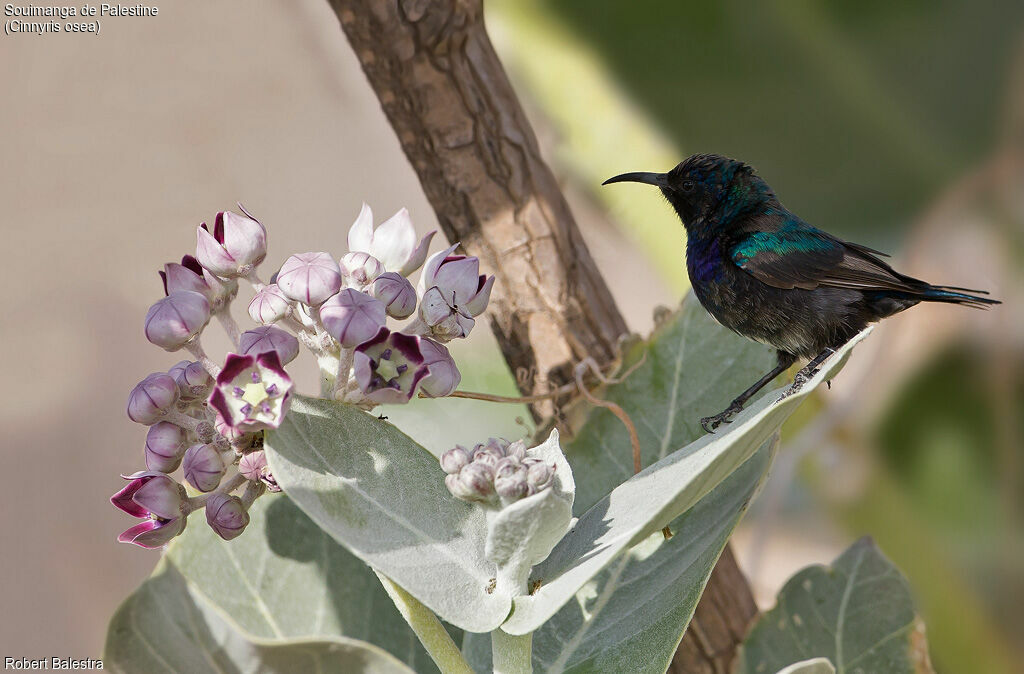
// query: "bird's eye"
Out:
[687,186]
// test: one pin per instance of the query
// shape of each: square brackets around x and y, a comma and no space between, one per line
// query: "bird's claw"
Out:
[801,378]
[709,424]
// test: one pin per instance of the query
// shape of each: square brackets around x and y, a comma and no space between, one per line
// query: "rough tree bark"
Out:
[460,123]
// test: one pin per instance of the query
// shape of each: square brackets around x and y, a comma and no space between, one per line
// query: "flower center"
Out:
[255,393]
[387,370]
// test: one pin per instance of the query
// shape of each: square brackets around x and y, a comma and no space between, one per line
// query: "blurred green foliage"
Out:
[857,113]
[947,448]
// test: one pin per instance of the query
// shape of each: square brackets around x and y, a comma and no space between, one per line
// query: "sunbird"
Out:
[764,273]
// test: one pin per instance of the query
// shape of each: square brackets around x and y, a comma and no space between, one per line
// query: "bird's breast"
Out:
[704,261]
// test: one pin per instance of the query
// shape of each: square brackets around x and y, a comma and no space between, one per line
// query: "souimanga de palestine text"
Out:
[105,9]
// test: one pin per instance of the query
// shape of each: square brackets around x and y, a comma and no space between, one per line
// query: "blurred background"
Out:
[897,125]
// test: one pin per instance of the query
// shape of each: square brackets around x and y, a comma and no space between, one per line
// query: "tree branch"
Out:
[446,95]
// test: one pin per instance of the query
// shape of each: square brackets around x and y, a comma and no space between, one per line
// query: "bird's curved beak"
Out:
[658,179]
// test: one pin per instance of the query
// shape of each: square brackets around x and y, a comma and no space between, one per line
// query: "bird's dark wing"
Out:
[794,254]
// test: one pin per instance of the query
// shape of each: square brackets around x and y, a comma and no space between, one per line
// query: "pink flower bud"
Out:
[309,278]
[269,338]
[253,465]
[454,459]
[393,243]
[444,376]
[203,467]
[269,305]
[475,482]
[151,398]
[165,445]
[192,378]
[159,501]
[177,318]
[360,269]
[539,475]
[352,317]
[190,275]
[397,294]
[441,319]
[459,280]
[226,515]
[235,247]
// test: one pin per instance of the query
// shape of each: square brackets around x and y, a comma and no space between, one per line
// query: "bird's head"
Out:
[707,190]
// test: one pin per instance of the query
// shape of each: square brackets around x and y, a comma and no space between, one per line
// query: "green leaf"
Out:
[692,368]
[167,626]
[286,578]
[382,496]
[858,613]
[651,499]
[631,615]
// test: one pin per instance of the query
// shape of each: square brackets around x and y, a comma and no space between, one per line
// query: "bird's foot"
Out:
[724,417]
[801,378]
[807,372]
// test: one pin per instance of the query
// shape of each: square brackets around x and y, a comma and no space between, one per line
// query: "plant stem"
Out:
[428,629]
[229,324]
[511,654]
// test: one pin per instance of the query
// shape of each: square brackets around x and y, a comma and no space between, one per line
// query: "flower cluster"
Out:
[495,474]
[207,417]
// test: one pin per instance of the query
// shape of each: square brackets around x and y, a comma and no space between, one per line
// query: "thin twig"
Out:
[490,397]
[634,439]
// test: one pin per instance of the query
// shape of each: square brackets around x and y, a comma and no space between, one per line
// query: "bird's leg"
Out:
[808,371]
[724,417]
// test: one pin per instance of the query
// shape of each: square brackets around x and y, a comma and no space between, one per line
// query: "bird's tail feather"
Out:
[953,295]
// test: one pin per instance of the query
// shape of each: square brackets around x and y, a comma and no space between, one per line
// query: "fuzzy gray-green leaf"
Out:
[286,578]
[166,626]
[383,497]
[858,613]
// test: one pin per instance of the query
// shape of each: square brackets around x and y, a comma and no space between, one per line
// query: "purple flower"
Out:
[352,317]
[165,444]
[203,467]
[444,376]
[226,515]
[268,338]
[453,291]
[235,247]
[158,499]
[393,243]
[252,392]
[389,367]
[190,275]
[152,398]
[192,378]
[397,294]
[269,304]
[309,278]
[360,269]
[177,318]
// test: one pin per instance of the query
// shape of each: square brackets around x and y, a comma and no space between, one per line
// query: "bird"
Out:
[766,274]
